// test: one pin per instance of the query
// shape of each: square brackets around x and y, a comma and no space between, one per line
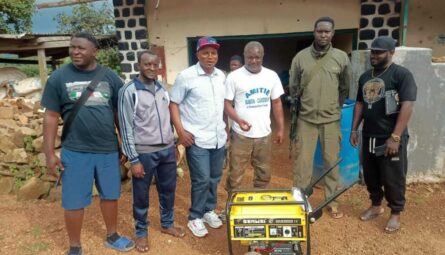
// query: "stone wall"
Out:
[378,17]
[131,31]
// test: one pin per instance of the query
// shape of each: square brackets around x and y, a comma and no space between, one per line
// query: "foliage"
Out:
[29,70]
[15,16]
[85,17]
[98,21]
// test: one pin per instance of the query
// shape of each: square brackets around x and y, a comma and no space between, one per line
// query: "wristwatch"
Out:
[395,138]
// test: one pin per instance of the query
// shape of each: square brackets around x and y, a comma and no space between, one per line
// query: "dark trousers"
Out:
[385,176]
[162,165]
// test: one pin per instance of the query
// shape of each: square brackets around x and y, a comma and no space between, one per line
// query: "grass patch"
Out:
[355,202]
[35,247]
[36,231]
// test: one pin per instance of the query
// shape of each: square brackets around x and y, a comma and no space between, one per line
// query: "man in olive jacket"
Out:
[320,78]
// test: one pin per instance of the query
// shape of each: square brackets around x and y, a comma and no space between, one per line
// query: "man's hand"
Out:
[392,147]
[137,170]
[122,158]
[279,137]
[353,139]
[52,162]
[185,138]
[244,125]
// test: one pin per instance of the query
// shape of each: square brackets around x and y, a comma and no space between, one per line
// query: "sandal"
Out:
[393,224]
[142,244]
[335,213]
[174,231]
[371,213]
[75,250]
[121,244]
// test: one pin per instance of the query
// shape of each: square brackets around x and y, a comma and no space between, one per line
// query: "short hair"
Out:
[149,52]
[324,19]
[87,36]
[254,45]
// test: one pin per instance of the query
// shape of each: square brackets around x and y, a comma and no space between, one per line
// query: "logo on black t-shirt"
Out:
[373,91]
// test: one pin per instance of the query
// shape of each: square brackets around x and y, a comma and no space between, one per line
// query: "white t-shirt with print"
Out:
[252,95]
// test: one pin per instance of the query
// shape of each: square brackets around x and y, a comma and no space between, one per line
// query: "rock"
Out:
[34,188]
[16,156]
[126,186]
[6,113]
[22,119]
[6,145]
[37,144]
[180,172]
[20,134]
[8,124]
[27,86]
[55,194]
[6,185]
[41,159]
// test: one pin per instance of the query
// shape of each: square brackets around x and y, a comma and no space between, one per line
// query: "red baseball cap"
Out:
[207,41]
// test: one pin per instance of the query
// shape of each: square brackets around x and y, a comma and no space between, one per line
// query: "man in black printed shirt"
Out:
[385,100]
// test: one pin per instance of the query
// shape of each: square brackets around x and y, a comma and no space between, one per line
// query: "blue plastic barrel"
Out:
[350,164]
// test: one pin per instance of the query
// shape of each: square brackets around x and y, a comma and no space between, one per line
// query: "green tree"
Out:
[15,16]
[97,21]
[85,17]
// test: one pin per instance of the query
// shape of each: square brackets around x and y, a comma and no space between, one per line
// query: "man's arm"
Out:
[230,111]
[125,123]
[277,110]
[345,83]
[50,124]
[403,118]
[294,78]
[184,137]
[356,120]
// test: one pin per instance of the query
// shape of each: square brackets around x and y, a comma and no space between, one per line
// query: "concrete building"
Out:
[172,27]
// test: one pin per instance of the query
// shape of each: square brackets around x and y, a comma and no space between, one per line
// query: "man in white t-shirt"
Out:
[253,90]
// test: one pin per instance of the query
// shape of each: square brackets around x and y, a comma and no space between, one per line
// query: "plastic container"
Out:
[350,164]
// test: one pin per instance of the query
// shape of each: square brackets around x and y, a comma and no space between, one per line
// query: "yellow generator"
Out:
[273,221]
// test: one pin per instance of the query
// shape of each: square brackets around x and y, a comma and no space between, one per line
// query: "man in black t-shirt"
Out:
[90,148]
[385,100]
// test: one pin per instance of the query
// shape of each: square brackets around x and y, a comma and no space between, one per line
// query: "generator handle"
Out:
[316,214]
[309,190]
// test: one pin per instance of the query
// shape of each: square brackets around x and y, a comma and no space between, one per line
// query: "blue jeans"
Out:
[162,165]
[205,173]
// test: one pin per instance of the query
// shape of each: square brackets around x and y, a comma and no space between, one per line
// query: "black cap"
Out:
[383,43]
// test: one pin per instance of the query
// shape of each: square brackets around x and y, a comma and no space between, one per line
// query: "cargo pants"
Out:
[244,149]
[330,140]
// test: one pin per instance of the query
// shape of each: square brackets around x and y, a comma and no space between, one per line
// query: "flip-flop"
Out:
[174,231]
[392,226]
[75,251]
[370,214]
[121,244]
[142,244]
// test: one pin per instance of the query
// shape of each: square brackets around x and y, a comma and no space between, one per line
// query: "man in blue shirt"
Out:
[197,107]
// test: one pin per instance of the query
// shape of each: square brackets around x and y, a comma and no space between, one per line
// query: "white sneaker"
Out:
[197,227]
[212,219]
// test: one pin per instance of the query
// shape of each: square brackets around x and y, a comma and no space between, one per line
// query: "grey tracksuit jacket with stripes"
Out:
[144,119]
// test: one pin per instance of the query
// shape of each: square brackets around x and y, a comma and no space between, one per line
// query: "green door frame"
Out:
[191,41]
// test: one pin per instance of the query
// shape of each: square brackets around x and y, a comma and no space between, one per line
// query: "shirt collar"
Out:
[318,54]
[139,85]
[201,71]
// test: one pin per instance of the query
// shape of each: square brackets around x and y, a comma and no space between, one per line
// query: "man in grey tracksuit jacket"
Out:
[148,143]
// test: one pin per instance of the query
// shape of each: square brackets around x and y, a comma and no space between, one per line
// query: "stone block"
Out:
[131,23]
[55,194]
[16,156]
[41,159]
[34,188]
[6,113]
[6,185]
[367,9]
[126,12]
[6,145]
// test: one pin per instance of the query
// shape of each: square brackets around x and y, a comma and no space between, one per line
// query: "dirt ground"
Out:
[38,227]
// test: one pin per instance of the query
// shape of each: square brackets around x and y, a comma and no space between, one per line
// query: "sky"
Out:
[42,20]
